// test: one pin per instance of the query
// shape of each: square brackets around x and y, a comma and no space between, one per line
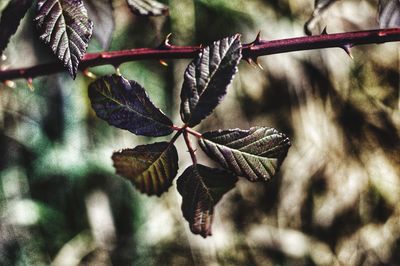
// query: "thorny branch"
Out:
[250,51]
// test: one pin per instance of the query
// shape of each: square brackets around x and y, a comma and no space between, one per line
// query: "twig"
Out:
[250,51]
[189,146]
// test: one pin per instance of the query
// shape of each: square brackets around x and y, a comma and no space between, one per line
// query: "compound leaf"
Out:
[101,13]
[389,13]
[147,7]
[125,104]
[256,153]
[207,78]
[201,188]
[10,19]
[151,168]
[64,25]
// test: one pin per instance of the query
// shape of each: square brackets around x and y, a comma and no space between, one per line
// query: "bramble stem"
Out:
[177,128]
[194,132]
[250,51]
[175,137]
[190,147]
[188,129]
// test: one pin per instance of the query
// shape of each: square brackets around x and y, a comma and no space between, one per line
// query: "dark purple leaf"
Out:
[124,103]
[147,7]
[207,78]
[101,13]
[256,153]
[64,25]
[389,13]
[201,188]
[151,168]
[10,19]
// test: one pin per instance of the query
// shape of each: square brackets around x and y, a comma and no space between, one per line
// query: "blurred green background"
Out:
[334,202]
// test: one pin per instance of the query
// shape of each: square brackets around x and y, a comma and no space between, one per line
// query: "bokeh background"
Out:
[334,202]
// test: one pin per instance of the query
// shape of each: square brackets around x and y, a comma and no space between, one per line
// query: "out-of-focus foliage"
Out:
[335,200]
[11,17]
[389,13]
[101,13]
[147,7]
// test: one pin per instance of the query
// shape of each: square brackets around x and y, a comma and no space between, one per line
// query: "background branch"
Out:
[250,51]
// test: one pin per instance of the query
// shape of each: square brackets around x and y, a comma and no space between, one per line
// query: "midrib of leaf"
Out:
[203,185]
[244,155]
[214,72]
[158,158]
[133,110]
[255,142]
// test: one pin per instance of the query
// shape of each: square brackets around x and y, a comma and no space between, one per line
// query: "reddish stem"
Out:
[194,132]
[252,50]
[190,147]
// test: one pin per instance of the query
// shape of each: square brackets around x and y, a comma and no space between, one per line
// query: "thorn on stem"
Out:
[89,74]
[257,40]
[162,62]
[117,70]
[324,32]
[254,62]
[166,44]
[347,49]
[30,84]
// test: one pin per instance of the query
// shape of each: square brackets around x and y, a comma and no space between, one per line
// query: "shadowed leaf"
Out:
[124,103]
[65,27]
[147,7]
[151,168]
[10,19]
[256,153]
[201,188]
[319,7]
[389,13]
[207,78]
[101,13]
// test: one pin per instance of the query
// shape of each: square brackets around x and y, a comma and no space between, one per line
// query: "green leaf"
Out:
[124,104]
[256,153]
[207,78]
[101,13]
[10,19]
[147,7]
[151,168]
[64,25]
[201,188]
[389,13]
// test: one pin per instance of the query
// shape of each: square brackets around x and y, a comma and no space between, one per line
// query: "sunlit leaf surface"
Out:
[151,168]
[256,153]
[64,25]
[207,78]
[125,104]
[201,188]
[147,7]
[10,19]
